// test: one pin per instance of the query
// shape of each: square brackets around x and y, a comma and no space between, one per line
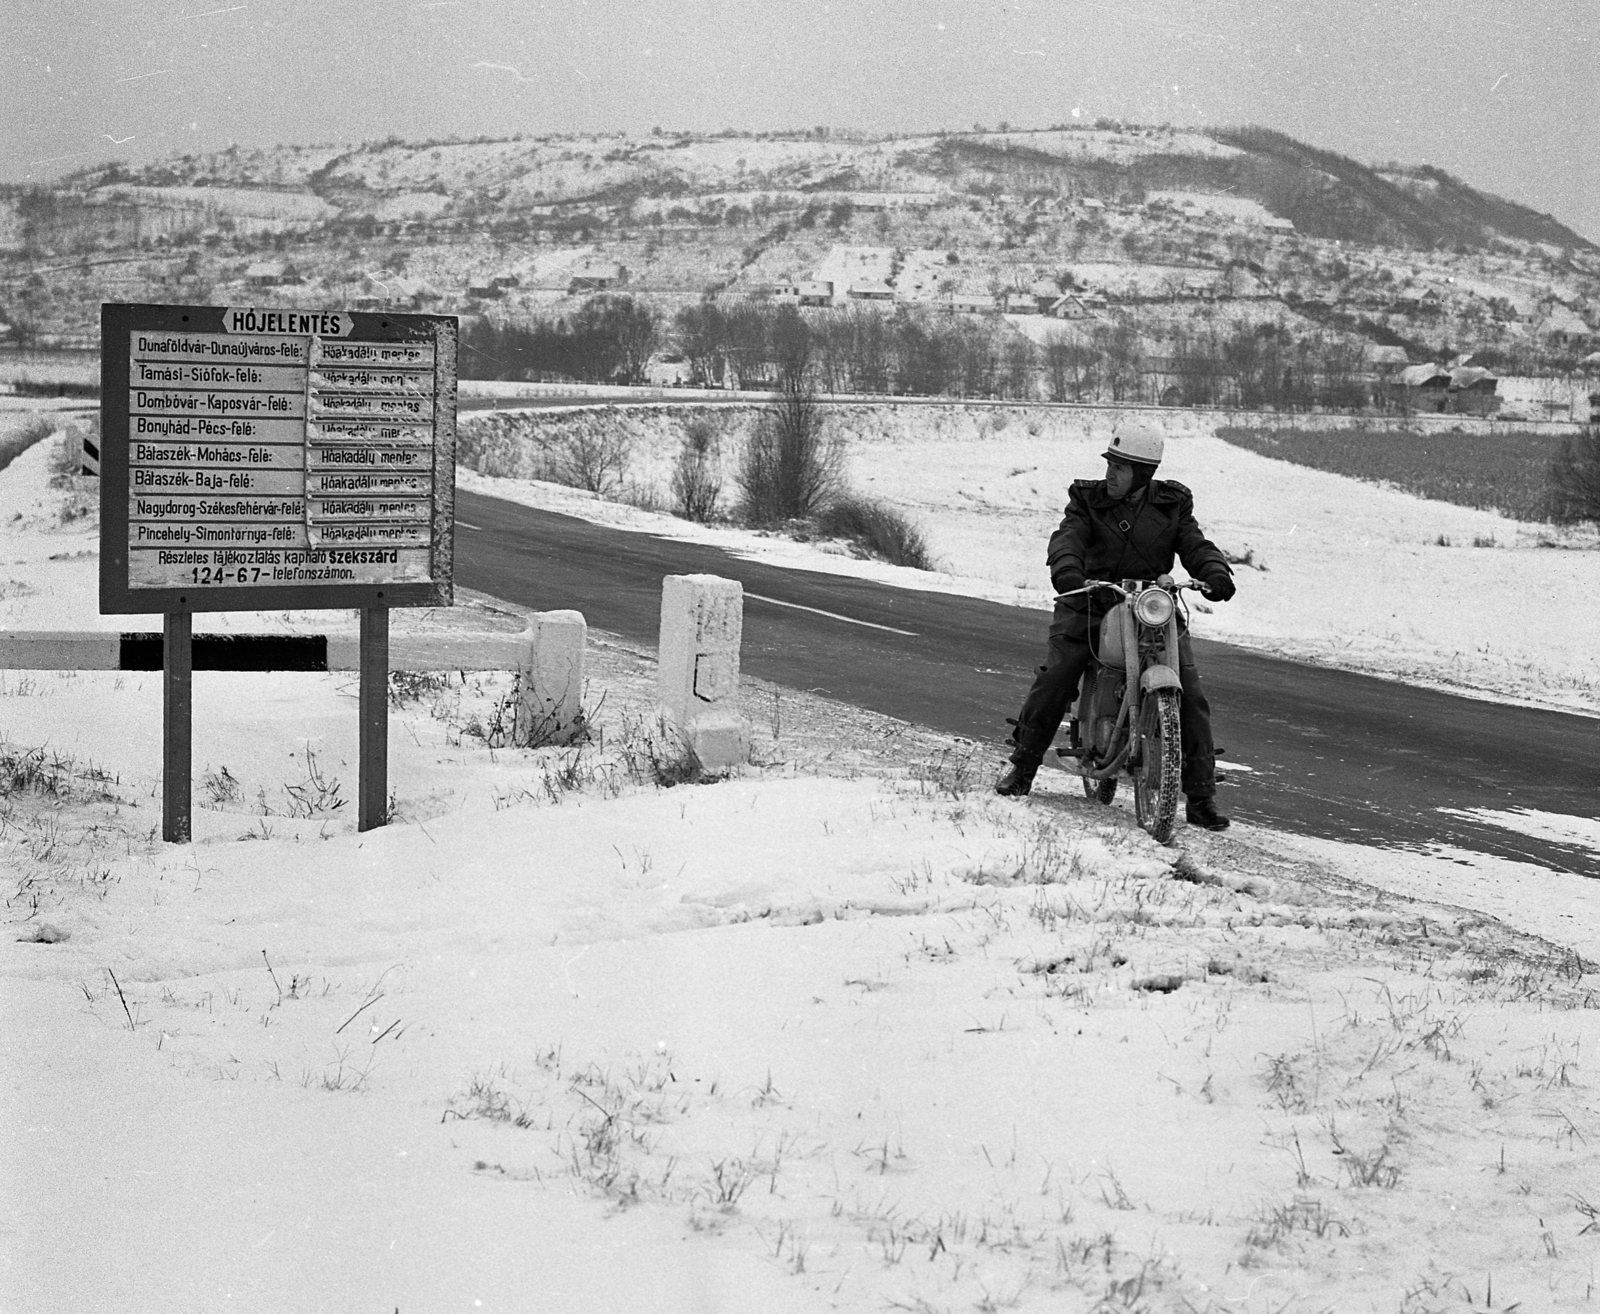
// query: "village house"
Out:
[1021,301]
[1420,388]
[1082,304]
[597,278]
[959,303]
[271,273]
[1385,362]
[1427,301]
[1471,391]
[1563,328]
[872,291]
[412,293]
[1072,305]
[804,293]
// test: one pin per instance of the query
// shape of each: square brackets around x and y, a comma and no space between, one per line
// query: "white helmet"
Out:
[1136,444]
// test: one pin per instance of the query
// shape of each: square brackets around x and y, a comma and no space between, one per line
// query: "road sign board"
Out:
[258,458]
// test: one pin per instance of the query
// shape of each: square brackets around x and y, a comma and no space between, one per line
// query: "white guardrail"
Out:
[548,655]
[702,623]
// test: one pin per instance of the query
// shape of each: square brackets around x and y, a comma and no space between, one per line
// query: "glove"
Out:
[1067,581]
[1219,587]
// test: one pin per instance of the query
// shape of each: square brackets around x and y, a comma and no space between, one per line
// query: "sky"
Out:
[1500,96]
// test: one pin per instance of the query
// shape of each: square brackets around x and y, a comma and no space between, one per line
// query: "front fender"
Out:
[1159,677]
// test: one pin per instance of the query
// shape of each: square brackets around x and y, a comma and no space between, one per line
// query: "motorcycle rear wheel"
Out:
[1100,791]
[1158,778]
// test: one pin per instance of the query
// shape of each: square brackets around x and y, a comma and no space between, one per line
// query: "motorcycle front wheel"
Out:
[1157,779]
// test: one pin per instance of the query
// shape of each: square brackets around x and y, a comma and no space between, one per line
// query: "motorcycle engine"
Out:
[1107,703]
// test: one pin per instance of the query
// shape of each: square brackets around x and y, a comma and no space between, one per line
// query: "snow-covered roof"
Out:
[1414,376]
[1470,376]
[1562,320]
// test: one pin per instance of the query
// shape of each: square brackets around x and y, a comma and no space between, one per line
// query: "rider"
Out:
[1128,525]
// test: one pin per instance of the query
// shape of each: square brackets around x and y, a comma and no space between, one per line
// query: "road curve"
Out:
[1333,754]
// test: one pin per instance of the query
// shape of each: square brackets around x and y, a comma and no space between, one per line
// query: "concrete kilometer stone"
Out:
[550,710]
[702,623]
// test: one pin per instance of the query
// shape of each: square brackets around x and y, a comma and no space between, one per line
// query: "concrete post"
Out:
[702,622]
[550,710]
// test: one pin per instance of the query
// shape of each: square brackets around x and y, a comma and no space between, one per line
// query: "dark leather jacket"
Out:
[1102,539]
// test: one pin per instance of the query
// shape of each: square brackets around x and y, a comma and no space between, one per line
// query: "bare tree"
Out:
[926,354]
[1019,367]
[978,360]
[696,477]
[870,350]
[1121,356]
[1574,481]
[638,332]
[791,345]
[703,339]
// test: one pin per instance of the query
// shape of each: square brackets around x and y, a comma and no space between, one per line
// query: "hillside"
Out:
[1175,233]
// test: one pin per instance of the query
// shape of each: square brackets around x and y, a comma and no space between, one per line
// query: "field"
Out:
[1493,472]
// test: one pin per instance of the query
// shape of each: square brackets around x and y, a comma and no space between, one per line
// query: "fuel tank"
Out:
[1109,651]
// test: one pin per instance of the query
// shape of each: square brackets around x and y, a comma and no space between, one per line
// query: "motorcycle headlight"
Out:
[1153,607]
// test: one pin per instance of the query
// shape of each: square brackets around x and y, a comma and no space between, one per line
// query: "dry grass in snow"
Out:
[845,1031]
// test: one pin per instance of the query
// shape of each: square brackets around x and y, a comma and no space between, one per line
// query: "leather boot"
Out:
[1016,780]
[1203,812]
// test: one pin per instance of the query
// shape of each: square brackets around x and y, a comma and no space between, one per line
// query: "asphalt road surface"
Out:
[1332,754]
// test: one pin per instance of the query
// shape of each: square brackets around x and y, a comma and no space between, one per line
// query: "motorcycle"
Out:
[1126,716]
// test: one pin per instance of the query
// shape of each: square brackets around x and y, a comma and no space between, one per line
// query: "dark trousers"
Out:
[1056,686]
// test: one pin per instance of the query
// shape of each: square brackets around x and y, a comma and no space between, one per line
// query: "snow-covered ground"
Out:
[841,1032]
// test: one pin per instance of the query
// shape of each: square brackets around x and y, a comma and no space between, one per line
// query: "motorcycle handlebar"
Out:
[1090,585]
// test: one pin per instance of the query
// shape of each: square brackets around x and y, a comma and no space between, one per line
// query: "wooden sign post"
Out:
[373,782]
[177,726]
[256,459]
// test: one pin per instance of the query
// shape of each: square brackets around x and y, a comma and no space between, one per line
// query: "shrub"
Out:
[697,477]
[1574,479]
[593,457]
[877,530]
[790,469]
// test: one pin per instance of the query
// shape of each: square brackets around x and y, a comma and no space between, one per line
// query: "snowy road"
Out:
[1329,753]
